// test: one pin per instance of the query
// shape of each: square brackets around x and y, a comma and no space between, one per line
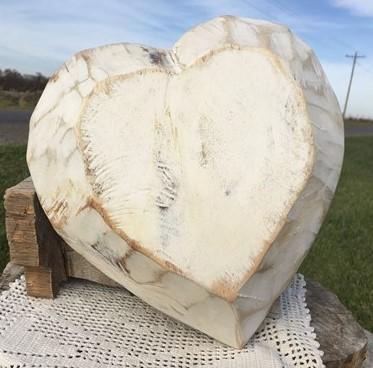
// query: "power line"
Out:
[354,57]
[284,8]
[268,16]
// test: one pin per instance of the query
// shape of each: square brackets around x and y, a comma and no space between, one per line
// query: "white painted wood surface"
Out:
[196,177]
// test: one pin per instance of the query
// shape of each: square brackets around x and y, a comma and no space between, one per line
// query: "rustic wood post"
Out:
[34,244]
[32,241]
[341,338]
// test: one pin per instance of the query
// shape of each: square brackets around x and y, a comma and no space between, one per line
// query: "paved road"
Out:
[356,131]
[14,127]
[14,116]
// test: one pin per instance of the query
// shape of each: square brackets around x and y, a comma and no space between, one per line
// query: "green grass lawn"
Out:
[13,169]
[342,257]
[18,101]
[353,122]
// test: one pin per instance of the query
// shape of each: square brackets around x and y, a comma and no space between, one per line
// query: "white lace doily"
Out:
[91,326]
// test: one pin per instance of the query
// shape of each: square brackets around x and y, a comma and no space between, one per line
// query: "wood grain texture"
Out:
[20,224]
[369,361]
[10,273]
[78,267]
[32,241]
[40,283]
[196,177]
[35,246]
[341,338]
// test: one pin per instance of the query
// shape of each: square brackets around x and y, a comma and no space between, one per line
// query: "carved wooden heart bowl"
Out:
[196,177]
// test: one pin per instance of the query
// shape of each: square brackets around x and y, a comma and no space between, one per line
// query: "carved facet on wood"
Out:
[342,340]
[196,177]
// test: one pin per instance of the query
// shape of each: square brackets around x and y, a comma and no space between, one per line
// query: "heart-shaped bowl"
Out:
[196,177]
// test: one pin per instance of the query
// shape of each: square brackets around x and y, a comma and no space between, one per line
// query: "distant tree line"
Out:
[12,80]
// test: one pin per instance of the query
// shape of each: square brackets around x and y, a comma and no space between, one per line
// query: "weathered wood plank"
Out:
[20,224]
[341,338]
[78,267]
[39,282]
[10,273]
[369,361]
[35,245]
[32,241]
[50,244]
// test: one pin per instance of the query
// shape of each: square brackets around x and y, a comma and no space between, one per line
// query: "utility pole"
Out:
[355,56]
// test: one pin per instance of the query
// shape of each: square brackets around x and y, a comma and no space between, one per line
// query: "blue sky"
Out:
[38,35]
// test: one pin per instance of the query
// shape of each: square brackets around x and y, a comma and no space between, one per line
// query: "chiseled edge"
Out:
[320,101]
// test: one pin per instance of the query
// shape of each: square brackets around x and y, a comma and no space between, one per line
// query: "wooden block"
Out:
[20,224]
[10,273]
[369,361]
[78,267]
[33,243]
[39,282]
[341,338]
